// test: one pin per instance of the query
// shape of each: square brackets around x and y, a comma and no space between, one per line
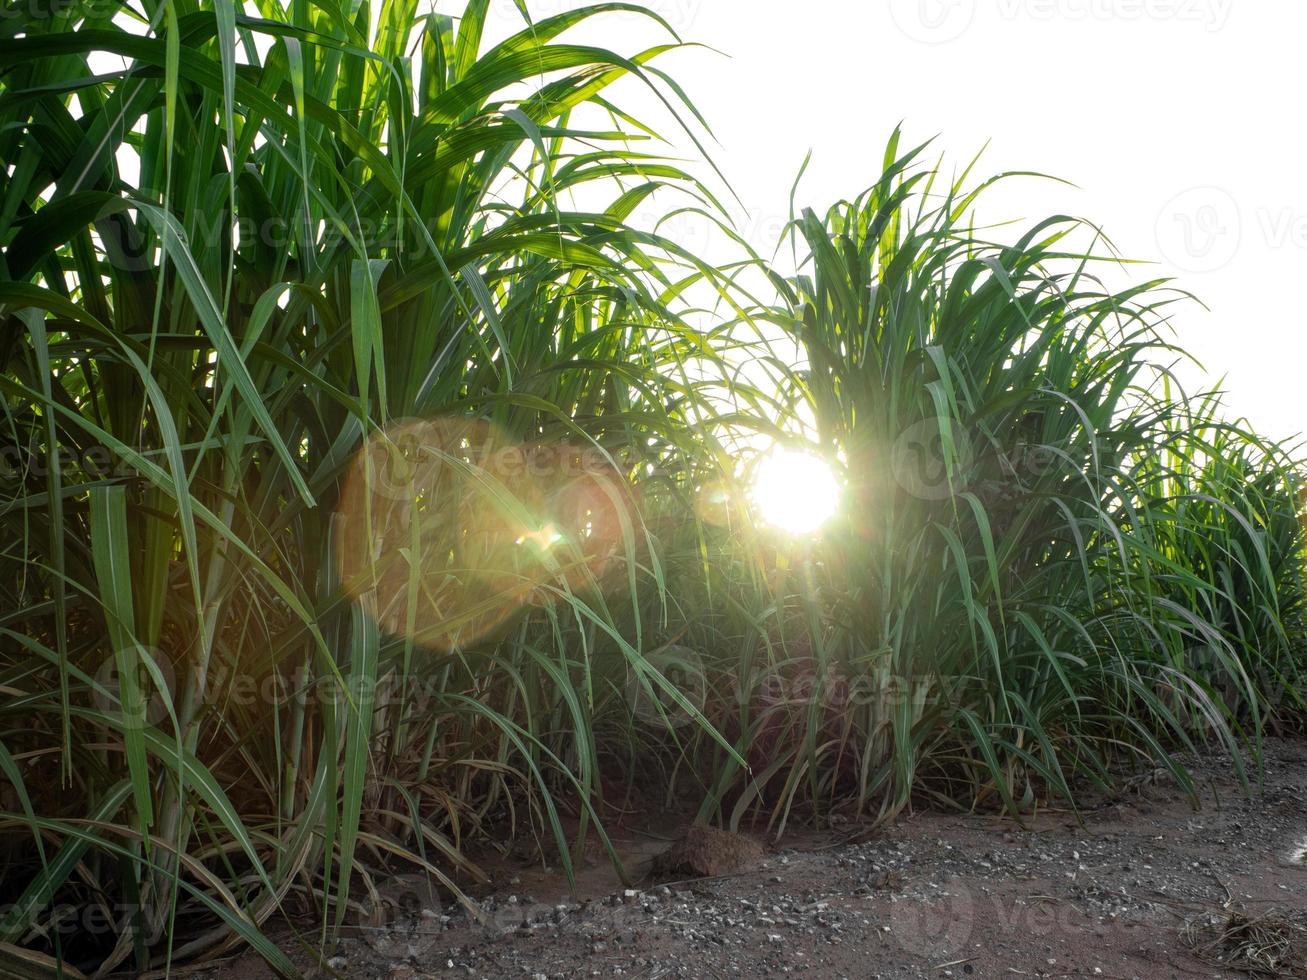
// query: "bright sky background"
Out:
[1174,118]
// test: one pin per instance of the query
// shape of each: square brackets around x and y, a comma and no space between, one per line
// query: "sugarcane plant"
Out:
[1051,564]
[243,249]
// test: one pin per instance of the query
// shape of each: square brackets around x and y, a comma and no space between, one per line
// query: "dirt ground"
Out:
[937,895]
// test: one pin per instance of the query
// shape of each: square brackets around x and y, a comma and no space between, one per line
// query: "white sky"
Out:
[1178,120]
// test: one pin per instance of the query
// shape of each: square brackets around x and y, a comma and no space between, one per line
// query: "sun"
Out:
[794,491]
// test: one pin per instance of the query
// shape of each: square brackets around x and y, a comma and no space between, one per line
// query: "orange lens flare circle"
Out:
[715,502]
[448,528]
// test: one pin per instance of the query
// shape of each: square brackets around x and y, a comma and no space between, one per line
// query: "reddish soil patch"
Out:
[934,896]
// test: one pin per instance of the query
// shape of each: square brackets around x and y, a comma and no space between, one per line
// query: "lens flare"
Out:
[795,491]
[448,528]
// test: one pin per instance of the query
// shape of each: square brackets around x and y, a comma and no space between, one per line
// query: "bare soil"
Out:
[936,895]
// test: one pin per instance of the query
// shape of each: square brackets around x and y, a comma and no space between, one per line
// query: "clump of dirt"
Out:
[706,852]
[1269,944]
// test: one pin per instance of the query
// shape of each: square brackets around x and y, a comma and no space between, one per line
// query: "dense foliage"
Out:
[365,495]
